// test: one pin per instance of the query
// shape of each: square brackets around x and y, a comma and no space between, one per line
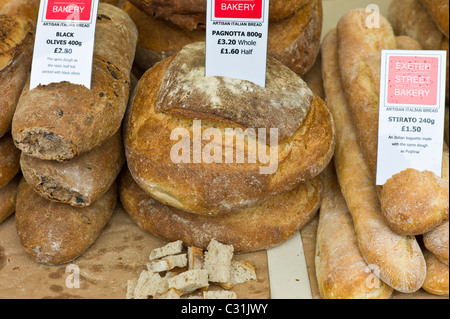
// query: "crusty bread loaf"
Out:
[341,270]
[409,17]
[261,227]
[160,106]
[54,233]
[437,241]
[398,259]
[59,121]
[80,181]
[8,195]
[16,48]
[158,39]
[415,202]
[407,43]
[295,41]
[27,8]
[439,12]
[191,14]
[9,160]
[437,279]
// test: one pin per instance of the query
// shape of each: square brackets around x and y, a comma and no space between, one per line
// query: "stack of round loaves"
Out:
[16,47]
[222,158]
[71,148]
[167,26]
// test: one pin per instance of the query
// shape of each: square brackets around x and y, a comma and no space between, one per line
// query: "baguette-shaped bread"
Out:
[437,241]
[359,62]
[437,279]
[164,105]
[54,233]
[438,10]
[8,195]
[80,181]
[410,18]
[16,49]
[260,227]
[9,160]
[398,258]
[342,272]
[59,121]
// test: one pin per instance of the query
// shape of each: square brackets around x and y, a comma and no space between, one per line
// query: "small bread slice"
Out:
[195,258]
[242,271]
[219,294]
[167,263]
[173,248]
[218,261]
[190,280]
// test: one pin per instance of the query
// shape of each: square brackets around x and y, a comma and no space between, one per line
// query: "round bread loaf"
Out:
[8,196]
[175,99]
[437,241]
[27,8]
[439,12]
[61,120]
[158,39]
[191,14]
[16,49]
[259,227]
[437,279]
[55,233]
[80,181]
[9,159]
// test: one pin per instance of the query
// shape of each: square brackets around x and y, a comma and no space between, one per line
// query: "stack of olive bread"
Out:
[184,136]
[16,47]
[398,237]
[167,26]
[71,148]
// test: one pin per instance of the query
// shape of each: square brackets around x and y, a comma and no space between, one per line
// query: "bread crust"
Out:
[398,258]
[27,8]
[437,241]
[8,196]
[215,189]
[410,18]
[59,121]
[295,41]
[342,272]
[81,181]
[259,227]
[9,160]
[191,14]
[54,233]
[16,50]
[437,279]
[438,10]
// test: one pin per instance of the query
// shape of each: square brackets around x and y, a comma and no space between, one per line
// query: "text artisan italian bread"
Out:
[62,120]
[174,102]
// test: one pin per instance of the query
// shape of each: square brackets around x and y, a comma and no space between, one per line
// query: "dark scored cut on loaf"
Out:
[306,131]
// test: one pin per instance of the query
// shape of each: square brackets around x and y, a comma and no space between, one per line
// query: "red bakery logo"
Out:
[238,9]
[72,10]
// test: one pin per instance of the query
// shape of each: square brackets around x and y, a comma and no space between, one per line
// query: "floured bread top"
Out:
[14,29]
[186,92]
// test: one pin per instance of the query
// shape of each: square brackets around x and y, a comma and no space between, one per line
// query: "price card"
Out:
[236,40]
[412,111]
[64,42]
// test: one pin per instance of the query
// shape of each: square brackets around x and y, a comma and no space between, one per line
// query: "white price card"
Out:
[236,40]
[64,42]
[411,113]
